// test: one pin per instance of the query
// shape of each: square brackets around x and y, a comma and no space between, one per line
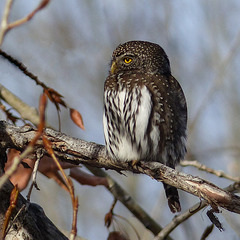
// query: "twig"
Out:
[4,22]
[203,167]
[26,112]
[48,147]
[15,217]
[9,115]
[177,220]
[23,69]
[34,174]
[19,22]
[121,195]
[12,205]
[218,79]
[55,97]
[5,26]
[39,155]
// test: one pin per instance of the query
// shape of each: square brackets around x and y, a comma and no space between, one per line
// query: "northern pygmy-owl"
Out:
[145,112]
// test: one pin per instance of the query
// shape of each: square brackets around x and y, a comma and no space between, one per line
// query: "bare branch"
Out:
[5,26]
[177,220]
[218,80]
[26,112]
[4,22]
[19,22]
[203,167]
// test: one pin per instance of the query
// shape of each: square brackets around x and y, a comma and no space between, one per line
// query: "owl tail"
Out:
[173,198]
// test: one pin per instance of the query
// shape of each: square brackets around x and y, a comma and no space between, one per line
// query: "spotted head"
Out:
[140,56]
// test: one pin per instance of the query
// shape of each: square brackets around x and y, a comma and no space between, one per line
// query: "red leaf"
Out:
[76,118]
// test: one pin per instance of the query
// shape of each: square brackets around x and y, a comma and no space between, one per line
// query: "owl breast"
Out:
[126,124]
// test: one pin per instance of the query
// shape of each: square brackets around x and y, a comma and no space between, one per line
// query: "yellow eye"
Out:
[127,60]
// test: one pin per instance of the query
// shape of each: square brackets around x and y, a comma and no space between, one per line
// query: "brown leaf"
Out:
[56,176]
[207,232]
[55,97]
[12,206]
[76,118]
[214,219]
[9,115]
[108,219]
[22,175]
[87,179]
[48,167]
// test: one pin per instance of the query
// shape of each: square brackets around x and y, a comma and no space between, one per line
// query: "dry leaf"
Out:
[55,97]
[214,219]
[76,118]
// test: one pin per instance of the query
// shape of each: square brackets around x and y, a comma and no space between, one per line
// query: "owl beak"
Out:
[113,67]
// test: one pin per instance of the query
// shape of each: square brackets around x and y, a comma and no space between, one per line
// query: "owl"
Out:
[145,111]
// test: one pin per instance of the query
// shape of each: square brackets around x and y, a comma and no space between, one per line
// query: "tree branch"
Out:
[5,26]
[117,191]
[203,167]
[77,151]
[180,218]
[26,112]
[31,222]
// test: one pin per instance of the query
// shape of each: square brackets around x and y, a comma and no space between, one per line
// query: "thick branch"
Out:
[31,222]
[27,112]
[78,151]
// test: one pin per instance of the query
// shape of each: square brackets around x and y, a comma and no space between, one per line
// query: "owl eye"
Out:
[127,60]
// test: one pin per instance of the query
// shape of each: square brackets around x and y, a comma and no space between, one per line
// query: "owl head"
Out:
[140,56]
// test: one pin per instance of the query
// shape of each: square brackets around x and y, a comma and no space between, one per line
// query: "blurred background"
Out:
[68,45]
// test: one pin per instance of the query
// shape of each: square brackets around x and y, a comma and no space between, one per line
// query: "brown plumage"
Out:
[145,112]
